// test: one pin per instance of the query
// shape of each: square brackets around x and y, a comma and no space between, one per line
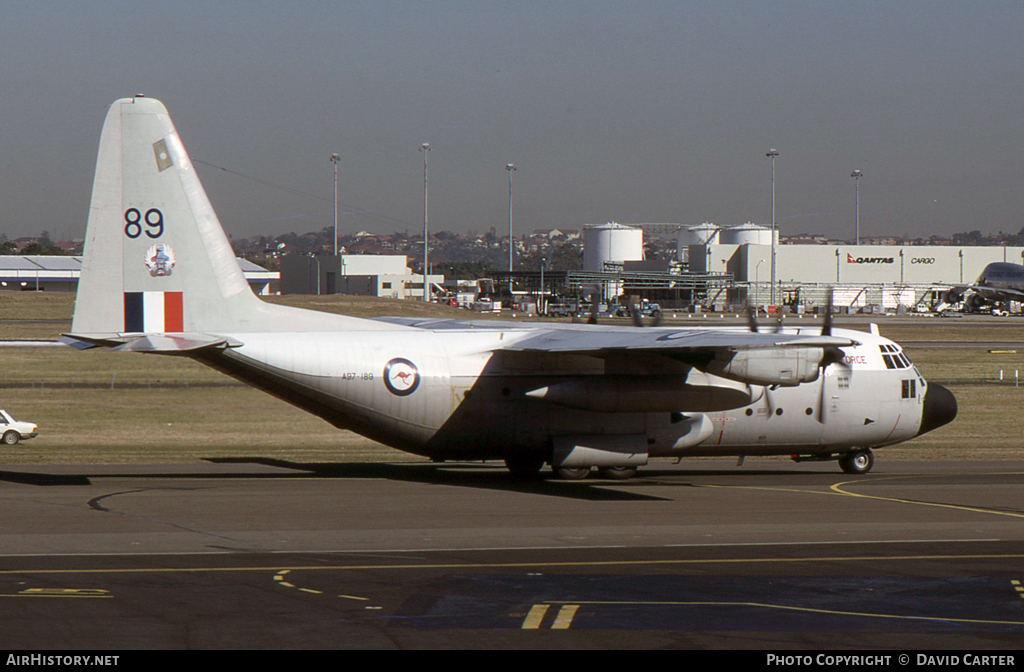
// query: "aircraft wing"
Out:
[740,355]
[585,338]
[1007,292]
[666,341]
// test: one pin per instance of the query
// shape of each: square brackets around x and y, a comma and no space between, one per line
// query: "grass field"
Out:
[103,407]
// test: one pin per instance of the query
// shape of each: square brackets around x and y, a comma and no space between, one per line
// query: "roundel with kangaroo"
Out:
[401,377]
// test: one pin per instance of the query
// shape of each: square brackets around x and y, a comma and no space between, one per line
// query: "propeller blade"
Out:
[826,325]
[822,400]
[593,305]
[634,312]
[832,356]
[752,319]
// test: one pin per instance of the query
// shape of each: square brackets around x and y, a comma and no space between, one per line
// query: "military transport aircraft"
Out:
[999,282]
[159,276]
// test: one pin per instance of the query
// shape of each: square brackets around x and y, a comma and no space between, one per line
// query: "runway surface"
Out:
[771,556]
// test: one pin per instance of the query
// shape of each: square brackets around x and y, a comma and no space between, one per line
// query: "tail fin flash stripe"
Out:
[133,312]
[174,320]
[153,312]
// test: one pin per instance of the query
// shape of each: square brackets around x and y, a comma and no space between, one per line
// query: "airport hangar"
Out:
[44,273]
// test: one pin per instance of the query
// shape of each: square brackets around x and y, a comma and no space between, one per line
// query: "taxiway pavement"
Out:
[267,554]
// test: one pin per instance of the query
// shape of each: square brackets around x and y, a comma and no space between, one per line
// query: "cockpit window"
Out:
[909,389]
[893,358]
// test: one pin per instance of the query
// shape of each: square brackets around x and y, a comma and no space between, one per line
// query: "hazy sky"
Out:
[618,110]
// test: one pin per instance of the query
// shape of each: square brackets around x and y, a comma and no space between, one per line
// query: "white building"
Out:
[385,275]
[908,272]
[851,264]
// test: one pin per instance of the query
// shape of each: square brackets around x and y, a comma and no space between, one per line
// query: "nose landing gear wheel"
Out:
[857,461]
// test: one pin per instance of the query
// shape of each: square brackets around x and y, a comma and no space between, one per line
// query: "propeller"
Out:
[752,320]
[634,312]
[592,291]
[593,304]
[826,325]
[832,356]
[754,329]
[769,400]
[638,319]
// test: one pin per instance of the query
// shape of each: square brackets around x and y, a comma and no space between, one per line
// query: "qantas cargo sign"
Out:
[850,259]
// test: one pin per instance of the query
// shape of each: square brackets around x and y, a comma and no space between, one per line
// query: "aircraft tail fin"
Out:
[156,258]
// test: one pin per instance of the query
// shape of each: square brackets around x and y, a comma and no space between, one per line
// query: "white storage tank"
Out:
[703,234]
[611,242]
[746,234]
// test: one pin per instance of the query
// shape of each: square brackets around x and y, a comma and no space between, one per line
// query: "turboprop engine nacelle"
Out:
[695,391]
[773,366]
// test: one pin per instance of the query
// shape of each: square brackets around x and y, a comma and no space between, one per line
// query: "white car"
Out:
[15,430]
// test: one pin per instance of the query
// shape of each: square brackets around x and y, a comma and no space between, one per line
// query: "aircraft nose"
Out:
[939,408]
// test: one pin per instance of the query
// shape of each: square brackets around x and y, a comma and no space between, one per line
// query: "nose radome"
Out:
[939,408]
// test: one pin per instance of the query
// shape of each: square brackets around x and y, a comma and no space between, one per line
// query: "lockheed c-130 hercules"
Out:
[159,276]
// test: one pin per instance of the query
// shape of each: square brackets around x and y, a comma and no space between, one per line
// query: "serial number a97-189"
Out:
[357,376]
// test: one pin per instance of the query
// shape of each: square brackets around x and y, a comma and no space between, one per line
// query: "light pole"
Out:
[757,282]
[540,301]
[856,175]
[334,159]
[425,148]
[772,153]
[511,241]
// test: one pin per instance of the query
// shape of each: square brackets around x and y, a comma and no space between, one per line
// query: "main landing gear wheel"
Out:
[618,473]
[572,473]
[857,461]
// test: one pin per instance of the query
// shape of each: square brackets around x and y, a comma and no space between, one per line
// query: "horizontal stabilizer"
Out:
[158,343]
[85,342]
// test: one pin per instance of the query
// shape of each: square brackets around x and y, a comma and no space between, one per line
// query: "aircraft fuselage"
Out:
[452,394]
